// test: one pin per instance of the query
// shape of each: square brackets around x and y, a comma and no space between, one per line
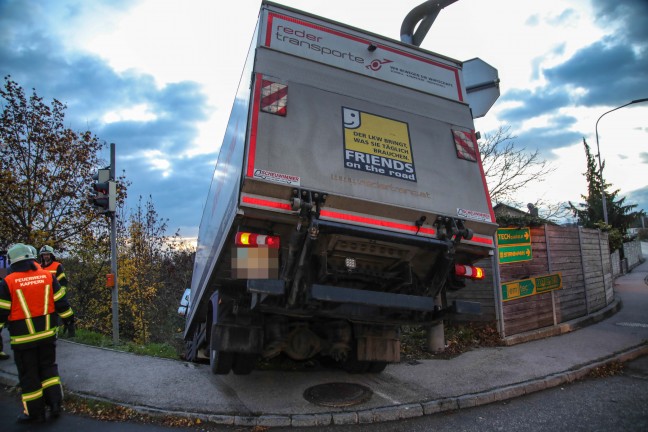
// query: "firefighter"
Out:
[3,266]
[48,262]
[30,300]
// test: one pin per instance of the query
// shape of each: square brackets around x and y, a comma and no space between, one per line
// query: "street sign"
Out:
[528,287]
[513,254]
[482,86]
[548,283]
[513,236]
[514,245]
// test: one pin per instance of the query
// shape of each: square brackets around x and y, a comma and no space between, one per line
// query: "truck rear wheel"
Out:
[244,363]
[220,362]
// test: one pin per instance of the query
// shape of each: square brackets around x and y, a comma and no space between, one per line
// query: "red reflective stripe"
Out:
[376,222]
[266,203]
[482,240]
[254,126]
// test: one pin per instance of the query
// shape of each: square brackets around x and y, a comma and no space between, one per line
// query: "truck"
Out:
[348,197]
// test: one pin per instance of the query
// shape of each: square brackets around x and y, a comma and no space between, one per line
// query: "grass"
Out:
[460,337]
[163,350]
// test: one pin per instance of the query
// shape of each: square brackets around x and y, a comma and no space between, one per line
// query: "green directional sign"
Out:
[548,283]
[528,287]
[513,254]
[513,236]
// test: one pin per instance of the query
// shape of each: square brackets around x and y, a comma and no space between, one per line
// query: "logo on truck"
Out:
[377,145]
[375,65]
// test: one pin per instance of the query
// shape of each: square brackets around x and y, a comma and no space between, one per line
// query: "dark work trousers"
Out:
[39,379]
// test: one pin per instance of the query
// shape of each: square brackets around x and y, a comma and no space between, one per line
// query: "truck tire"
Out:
[220,362]
[244,363]
[376,366]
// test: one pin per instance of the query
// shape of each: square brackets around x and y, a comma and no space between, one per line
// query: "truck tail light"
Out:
[274,98]
[469,271]
[245,239]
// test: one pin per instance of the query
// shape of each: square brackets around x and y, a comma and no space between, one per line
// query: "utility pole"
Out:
[605,213]
[113,256]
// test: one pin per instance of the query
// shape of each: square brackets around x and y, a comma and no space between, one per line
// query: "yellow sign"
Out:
[377,144]
[528,287]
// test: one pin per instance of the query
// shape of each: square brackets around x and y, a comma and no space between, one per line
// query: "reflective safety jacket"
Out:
[56,268]
[30,298]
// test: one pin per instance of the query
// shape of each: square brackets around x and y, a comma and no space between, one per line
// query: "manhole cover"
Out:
[632,324]
[337,394]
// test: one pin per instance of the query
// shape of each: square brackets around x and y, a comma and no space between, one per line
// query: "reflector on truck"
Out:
[469,271]
[274,97]
[245,239]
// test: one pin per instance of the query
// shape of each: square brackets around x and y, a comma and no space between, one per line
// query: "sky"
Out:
[158,78]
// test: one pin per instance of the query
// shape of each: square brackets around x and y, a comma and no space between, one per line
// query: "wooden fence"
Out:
[582,258]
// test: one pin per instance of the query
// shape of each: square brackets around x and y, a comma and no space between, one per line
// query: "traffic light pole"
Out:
[113,257]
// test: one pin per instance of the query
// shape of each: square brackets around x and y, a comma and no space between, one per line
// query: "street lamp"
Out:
[605,214]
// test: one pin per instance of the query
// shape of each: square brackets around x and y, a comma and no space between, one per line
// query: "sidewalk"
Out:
[271,398]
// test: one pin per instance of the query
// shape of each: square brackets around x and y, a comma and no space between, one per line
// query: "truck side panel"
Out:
[221,206]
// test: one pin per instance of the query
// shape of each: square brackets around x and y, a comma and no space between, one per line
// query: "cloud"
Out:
[150,149]
[596,67]
[644,157]
[608,72]
[639,197]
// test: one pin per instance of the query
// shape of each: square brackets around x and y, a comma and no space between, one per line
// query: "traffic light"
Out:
[103,191]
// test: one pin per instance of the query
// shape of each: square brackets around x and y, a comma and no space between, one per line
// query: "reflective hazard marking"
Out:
[465,144]
[274,98]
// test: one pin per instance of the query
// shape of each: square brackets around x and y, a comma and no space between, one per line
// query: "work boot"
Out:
[4,356]
[55,410]
[26,418]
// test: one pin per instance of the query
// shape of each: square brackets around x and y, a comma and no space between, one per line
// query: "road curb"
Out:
[381,414]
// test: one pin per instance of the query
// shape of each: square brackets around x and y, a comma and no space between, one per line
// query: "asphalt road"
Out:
[614,403]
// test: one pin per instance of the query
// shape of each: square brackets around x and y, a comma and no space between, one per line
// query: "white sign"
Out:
[350,52]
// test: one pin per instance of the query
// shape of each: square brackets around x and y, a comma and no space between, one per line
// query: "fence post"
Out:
[550,269]
[580,244]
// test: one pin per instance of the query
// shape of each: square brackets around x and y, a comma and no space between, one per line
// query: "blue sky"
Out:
[157,77]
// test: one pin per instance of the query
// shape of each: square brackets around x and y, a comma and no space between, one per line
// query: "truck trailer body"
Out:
[348,196]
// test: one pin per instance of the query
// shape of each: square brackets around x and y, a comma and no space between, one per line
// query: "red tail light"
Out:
[469,271]
[245,239]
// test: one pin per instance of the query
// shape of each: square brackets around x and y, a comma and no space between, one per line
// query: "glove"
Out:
[68,326]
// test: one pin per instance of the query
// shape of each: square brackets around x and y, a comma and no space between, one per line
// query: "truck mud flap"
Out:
[372,298]
[466,307]
[237,338]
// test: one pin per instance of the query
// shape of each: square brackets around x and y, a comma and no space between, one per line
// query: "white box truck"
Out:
[348,196]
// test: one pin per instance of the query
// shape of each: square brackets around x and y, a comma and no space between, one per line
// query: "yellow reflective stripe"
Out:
[25,308]
[5,304]
[58,295]
[47,322]
[27,397]
[50,382]
[66,314]
[46,302]
[23,303]
[61,276]
[32,337]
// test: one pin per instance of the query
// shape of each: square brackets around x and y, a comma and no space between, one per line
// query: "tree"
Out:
[144,253]
[590,213]
[44,170]
[508,168]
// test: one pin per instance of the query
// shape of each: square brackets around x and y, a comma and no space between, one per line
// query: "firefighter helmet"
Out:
[20,252]
[46,249]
